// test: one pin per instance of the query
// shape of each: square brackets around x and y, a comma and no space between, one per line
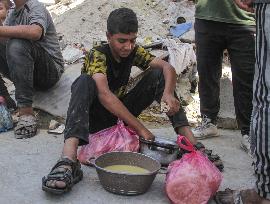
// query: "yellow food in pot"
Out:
[127,169]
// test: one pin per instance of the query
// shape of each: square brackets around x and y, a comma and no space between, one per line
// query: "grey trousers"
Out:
[29,67]
[260,122]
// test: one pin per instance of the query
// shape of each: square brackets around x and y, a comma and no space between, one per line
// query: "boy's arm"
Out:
[29,32]
[170,83]
[116,107]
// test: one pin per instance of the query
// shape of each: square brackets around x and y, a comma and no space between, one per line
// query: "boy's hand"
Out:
[245,5]
[172,102]
[146,134]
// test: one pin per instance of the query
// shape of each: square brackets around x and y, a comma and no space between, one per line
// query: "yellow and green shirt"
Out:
[101,60]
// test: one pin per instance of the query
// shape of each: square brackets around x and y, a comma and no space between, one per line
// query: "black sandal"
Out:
[60,173]
[214,158]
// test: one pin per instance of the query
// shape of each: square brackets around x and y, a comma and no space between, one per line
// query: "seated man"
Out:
[30,56]
[99,96]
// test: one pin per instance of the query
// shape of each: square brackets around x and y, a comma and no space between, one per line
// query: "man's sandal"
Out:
[26,127]
[62,173]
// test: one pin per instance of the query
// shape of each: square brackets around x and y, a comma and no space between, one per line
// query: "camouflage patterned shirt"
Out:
[101,60]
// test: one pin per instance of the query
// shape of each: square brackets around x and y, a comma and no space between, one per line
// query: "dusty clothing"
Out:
[223,11]
[31,64]
[221,25]
[101,60]
[86,114]
[212,38]
[34,12]
[29,67]
[260,141]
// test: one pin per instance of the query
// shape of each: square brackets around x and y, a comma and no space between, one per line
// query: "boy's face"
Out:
[3,11]
[122,44]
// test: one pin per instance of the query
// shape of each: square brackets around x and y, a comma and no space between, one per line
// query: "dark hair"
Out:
[122,20]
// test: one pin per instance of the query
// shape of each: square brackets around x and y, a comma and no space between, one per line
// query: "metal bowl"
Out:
[163,150]
[126,183]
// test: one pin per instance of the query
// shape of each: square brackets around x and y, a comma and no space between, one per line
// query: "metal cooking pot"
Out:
[126,183]
[163,150]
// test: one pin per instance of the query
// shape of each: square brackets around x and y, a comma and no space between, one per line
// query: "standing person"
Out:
[260,127]
[99,96]
[220,25]
[30,56]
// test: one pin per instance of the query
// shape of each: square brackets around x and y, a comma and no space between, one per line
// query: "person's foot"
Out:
[186,131]
[206,130]
[59,184]
[27,124]
[63,176]
[214,158]
[248,196]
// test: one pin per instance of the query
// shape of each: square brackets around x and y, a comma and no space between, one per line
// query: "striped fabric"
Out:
[261,1]
[260,126]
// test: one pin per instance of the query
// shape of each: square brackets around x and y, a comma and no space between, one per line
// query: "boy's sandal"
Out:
[212,157]
[61,173]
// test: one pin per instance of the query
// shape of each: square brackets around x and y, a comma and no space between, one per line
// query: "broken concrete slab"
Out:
[55,101]
[71,54]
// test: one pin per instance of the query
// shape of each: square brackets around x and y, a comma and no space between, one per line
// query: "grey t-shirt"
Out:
[35,12]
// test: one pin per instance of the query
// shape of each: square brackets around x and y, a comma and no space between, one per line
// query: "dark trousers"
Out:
[212,38]
[86,114]
[29,67]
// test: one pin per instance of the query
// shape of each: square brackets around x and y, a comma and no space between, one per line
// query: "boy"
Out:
[4,7]
[99,95]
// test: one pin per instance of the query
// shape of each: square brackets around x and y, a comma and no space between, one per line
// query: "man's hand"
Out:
[172,102]
[245,5]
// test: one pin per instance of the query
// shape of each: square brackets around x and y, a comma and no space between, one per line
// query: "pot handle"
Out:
[91,162]
[163,170]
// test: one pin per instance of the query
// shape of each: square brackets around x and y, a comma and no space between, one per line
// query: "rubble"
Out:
[84,22]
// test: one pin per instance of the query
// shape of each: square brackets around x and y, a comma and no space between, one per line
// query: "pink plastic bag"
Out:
[115,138]
[193,179]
